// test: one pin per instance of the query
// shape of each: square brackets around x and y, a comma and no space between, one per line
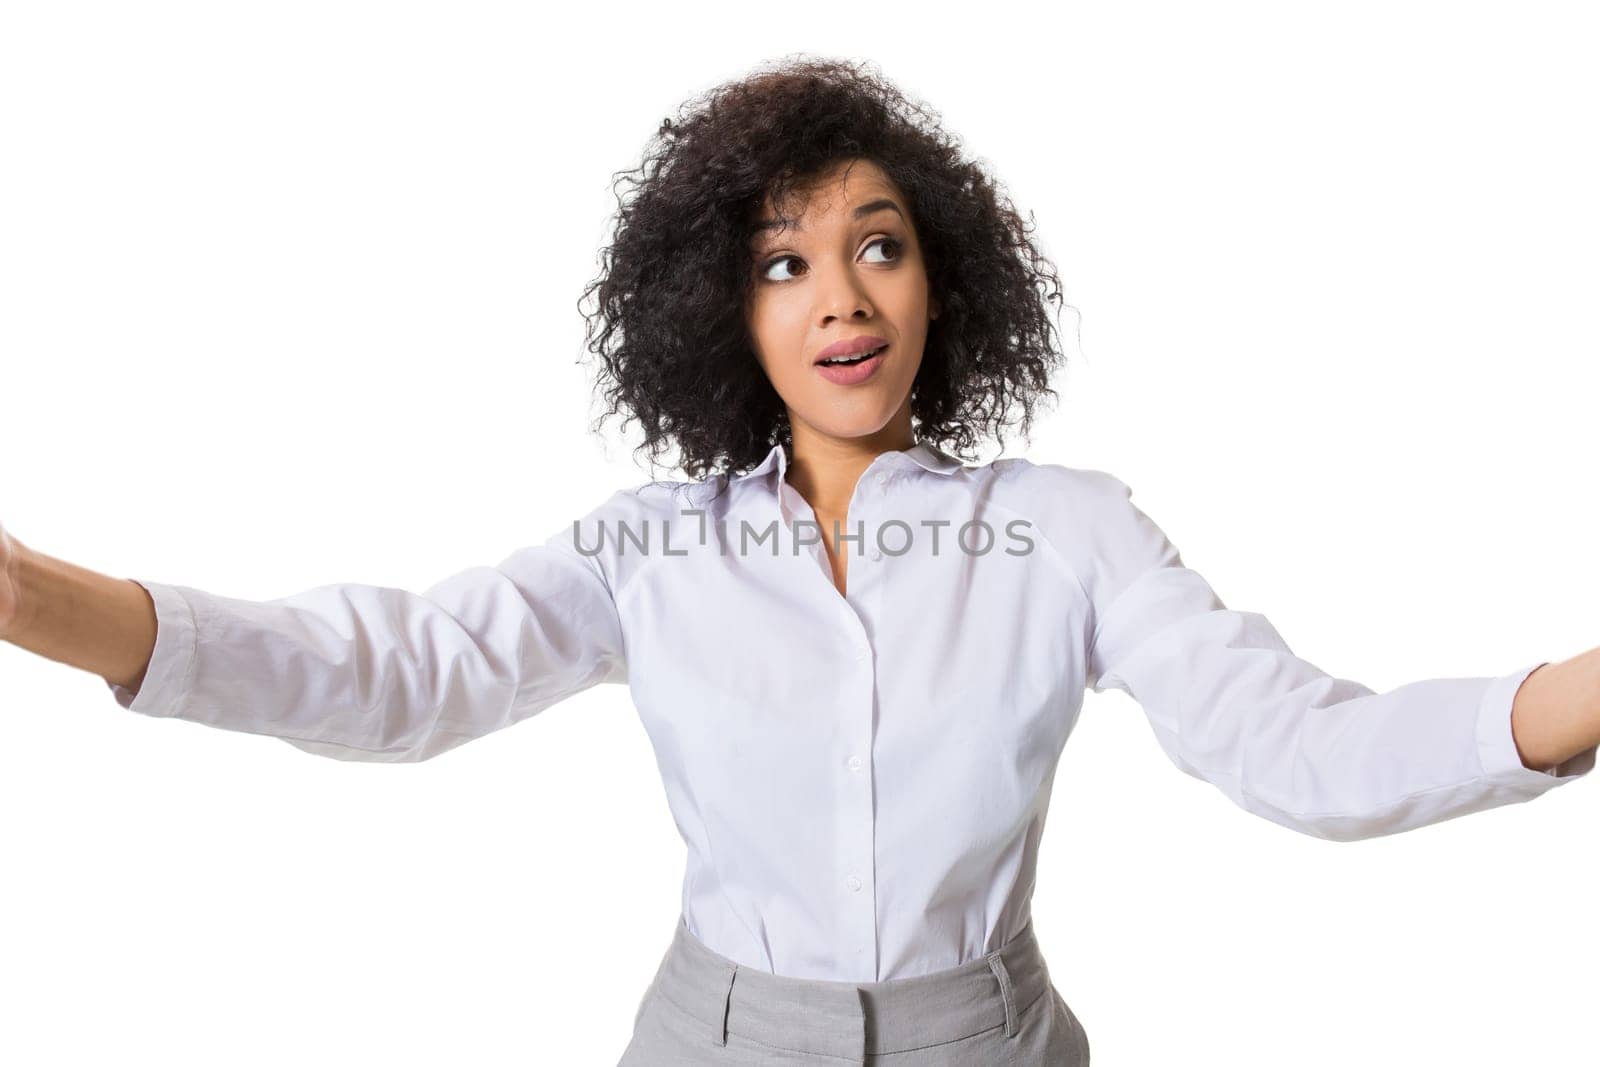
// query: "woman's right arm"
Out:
[347,671]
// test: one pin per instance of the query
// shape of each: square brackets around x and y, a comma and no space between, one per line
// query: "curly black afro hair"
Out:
[669,321]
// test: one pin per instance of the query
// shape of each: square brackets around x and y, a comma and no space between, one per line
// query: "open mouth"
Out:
[847,361]
[852,370]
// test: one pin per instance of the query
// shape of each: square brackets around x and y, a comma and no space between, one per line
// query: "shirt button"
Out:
[875,554]
[853,882]
[855,763]
[861,654]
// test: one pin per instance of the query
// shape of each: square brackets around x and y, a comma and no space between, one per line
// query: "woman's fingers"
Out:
[8,583]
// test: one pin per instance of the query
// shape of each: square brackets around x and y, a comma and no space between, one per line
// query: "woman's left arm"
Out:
[1232,704]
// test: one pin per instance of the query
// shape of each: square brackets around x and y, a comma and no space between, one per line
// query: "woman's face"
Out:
[849,267]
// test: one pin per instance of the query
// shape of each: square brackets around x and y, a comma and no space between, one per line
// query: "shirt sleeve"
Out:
[375,674]
[1231,704]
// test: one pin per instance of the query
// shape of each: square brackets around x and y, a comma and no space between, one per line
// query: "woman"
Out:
[857,657]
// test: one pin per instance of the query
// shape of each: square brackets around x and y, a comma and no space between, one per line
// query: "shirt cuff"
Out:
[1497,747]
[172,660]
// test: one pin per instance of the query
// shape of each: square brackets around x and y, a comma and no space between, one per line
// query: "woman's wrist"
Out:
[80,617]
[1556,712]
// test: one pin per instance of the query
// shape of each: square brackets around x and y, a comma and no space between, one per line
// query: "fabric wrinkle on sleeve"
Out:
[1230,702]
[369,673]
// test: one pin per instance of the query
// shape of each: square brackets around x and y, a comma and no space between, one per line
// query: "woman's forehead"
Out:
[836,191]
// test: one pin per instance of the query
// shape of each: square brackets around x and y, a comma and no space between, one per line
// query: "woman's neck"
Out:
[824,469]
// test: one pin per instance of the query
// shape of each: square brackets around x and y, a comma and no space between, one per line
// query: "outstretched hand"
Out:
[9,553]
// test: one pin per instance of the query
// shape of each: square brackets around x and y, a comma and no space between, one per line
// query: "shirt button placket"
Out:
[858,880]
[859,829]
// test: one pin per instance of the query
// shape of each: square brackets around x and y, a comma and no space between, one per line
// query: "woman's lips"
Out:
[852,373]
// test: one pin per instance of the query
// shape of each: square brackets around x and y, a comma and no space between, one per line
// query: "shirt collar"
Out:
[922,454]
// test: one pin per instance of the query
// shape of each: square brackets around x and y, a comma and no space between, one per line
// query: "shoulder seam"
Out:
[689,490]
[1061,562]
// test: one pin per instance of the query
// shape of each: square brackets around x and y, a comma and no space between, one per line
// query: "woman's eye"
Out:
[890,242]
[766,272]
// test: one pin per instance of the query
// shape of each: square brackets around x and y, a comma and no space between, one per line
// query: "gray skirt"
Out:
[704,1009]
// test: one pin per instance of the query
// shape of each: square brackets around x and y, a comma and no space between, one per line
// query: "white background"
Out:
[288,296]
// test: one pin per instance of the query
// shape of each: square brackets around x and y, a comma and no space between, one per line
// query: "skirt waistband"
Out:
[852,1019]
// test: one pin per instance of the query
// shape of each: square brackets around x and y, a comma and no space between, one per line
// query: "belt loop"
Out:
[997,965]
[719,1034]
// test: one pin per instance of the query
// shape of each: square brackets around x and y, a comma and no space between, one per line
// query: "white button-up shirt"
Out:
[861,780]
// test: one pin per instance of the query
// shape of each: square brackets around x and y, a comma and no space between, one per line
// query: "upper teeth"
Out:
[858,355]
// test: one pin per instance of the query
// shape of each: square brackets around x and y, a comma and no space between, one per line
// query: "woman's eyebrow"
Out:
[860,212]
